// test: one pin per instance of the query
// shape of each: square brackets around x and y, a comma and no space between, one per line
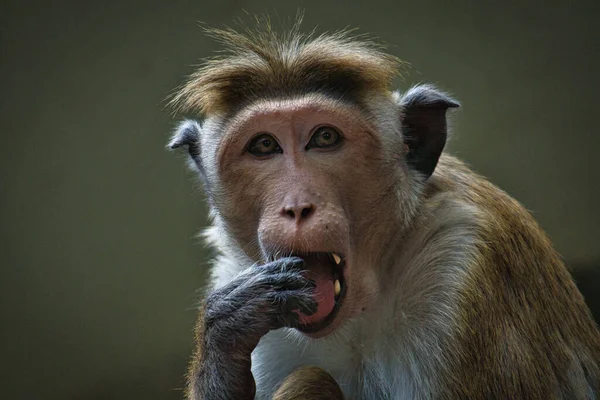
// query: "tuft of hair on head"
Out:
[259,62]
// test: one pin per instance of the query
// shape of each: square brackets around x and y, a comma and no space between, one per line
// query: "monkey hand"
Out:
[261,298]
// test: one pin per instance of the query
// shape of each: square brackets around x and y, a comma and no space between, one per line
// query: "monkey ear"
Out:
[424,126]
[187,134]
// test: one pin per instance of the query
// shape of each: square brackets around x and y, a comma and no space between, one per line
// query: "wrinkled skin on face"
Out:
[304,199]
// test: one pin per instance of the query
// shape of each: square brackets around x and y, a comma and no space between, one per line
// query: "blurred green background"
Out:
[99,260]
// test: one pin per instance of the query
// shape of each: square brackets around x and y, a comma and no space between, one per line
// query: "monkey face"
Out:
[307,177]
[313,176]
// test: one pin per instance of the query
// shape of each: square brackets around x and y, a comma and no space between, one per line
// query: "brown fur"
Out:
[196,364]
[521,306]
[262,63]
[309,383]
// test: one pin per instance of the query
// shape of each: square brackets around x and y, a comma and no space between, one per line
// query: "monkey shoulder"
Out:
[524,313]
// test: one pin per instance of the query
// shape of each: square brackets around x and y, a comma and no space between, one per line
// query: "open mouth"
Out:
[327,270]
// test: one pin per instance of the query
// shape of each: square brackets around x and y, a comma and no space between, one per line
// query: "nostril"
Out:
[299,212]
[306,211]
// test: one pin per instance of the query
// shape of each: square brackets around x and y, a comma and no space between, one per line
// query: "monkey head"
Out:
[296,164]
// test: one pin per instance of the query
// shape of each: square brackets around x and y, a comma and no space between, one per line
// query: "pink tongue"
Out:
[323,295]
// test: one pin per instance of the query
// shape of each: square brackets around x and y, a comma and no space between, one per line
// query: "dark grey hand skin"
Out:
[260,299]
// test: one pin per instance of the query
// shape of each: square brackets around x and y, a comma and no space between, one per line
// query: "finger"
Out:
[283,264]
[281,280]
[300,300]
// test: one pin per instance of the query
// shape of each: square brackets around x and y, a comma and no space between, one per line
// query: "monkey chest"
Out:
[359,375]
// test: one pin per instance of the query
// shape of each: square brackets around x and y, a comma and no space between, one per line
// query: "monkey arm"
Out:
[235,317]
[208,379]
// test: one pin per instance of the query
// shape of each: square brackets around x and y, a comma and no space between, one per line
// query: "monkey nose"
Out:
[299,212]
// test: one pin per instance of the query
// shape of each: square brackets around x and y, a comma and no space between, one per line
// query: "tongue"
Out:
[323,295]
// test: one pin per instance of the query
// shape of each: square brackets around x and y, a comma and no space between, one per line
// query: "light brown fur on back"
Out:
[519,299]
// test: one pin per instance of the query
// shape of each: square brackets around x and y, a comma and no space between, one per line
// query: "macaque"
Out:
[356,258]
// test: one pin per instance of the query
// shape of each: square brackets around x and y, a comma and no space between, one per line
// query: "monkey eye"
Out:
[324,137]
[263,145]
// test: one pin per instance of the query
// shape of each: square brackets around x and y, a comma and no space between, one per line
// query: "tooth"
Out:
[336,258]
[337,288]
